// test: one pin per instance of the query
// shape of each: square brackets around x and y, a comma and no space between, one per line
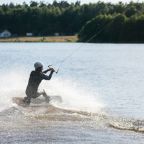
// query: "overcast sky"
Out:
[82,1]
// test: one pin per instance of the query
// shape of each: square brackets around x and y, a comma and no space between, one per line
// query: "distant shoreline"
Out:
[41,39]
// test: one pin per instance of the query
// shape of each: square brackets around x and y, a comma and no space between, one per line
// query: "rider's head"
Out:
[38,66]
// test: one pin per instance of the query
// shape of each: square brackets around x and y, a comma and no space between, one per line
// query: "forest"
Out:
[93,22]
[113,29]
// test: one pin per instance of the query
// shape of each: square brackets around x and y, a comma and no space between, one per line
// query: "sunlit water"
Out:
[101,86]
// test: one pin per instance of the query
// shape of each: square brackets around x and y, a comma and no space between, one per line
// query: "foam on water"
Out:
[127,124]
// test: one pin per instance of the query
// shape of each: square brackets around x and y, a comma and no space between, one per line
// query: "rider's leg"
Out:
[47,98]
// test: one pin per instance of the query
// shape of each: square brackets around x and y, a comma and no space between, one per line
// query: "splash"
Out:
[74,95]
[12,84]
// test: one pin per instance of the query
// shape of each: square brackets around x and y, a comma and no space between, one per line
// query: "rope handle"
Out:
[56,71]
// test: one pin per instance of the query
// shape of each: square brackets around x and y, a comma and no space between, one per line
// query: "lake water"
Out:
[101,86]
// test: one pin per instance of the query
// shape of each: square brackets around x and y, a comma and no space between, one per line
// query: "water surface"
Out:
[101,86]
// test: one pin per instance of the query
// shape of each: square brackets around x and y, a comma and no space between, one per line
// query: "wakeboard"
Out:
[19,100]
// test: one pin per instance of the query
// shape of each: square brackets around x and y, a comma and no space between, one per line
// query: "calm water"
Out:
[101,86]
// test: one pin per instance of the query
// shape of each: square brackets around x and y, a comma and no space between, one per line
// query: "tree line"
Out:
[113,29]
[108,22]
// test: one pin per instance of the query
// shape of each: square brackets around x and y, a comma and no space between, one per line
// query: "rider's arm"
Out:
[46,71]
[45,77]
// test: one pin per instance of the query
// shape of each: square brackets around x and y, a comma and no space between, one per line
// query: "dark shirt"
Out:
[34,81]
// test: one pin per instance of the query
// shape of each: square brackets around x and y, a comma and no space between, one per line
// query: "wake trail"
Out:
[78,103]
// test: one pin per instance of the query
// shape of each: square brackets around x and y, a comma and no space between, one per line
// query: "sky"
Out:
[82,1]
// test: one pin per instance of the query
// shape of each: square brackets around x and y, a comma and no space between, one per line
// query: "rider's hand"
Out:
[51,69]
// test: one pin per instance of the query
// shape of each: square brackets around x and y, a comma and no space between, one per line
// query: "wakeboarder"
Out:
[35,79]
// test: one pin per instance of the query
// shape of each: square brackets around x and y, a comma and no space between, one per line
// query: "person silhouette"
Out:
[35,79]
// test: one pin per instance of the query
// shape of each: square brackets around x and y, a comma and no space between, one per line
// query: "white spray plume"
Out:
[74,95]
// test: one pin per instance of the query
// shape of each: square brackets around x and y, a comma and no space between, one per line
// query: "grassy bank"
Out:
[41,39]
